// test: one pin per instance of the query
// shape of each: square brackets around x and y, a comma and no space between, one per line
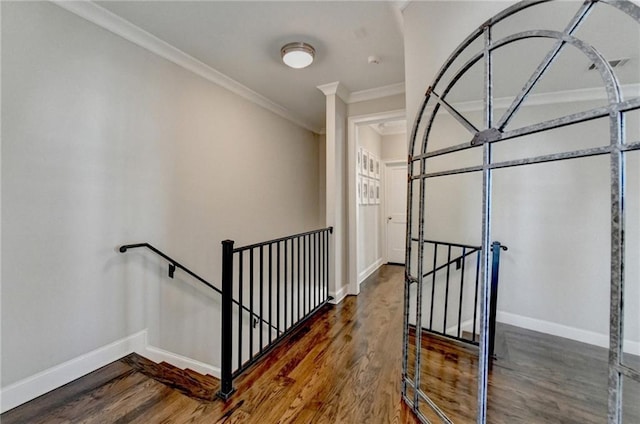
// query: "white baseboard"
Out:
[567,332]
[31,387]
[160,355]
[338,296]
[369,270]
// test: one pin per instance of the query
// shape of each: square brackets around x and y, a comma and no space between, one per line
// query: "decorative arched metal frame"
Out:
[494,131]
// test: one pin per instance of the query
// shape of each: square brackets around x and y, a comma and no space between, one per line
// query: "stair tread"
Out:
[188,383]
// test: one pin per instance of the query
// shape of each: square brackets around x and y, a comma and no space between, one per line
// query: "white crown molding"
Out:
[363,95]
[557,97]
[125,29]
[335,88]
[376,93]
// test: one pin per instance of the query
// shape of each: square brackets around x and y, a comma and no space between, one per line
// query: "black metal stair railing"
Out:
[449,259]
[283,281]
[287,281]
[173,265]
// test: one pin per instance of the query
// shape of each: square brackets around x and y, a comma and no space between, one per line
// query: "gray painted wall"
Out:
[104,143]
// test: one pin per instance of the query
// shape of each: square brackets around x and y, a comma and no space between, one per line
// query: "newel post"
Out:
[226,352]
[496,247]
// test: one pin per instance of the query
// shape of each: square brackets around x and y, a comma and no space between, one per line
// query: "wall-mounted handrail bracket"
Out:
[172,270]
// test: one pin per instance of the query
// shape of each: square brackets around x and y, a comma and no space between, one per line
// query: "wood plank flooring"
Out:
[344,366]
[534,378]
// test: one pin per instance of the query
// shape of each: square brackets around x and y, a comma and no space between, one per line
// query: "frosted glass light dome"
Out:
[297,55]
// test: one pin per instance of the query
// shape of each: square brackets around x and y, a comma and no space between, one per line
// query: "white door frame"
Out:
[387,164]
[353,123]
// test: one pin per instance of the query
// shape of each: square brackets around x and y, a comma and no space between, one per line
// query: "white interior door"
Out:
[396,212]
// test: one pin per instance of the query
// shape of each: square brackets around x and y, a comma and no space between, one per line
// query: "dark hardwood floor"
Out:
[534,378]
[344,366]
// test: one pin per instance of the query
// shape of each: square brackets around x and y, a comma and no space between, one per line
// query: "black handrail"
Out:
[452,261]
[175,264]
[274,241]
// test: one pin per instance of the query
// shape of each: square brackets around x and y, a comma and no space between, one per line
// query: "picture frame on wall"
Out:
[372,192]
[372,165]
[365,191]
[359,190]
[358,160]
[365,162]
[377,190]
[377,168]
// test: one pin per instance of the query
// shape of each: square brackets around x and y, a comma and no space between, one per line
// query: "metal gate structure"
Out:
[494,131]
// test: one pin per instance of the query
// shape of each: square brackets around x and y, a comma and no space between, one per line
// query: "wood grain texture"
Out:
[344,366]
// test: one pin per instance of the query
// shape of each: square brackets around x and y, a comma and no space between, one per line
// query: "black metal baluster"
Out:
[475,298]
[316,287]
[286,253]
[226,348]
[251,296]
[304,276]
[278,289]
[270,298]
[298,272]
[308,269]
[446,291]
[464,254]
[493,305]
[433,285]
[240,311]
[328,258]
[293,282]
[261,295]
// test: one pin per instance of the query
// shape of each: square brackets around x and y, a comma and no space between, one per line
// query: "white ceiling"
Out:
[242,39]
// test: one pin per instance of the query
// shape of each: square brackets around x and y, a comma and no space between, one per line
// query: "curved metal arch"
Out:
[610,81]
[616,150]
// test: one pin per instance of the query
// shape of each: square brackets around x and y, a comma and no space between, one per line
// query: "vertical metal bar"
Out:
[278,289]
[464,259]
[407,281]
[483,361]
[316,284]
[251,297]
[446,291]
[433,283]
[261,296]
[270,298]
[310,271]
[240,310]
[286,309]
[226,345]
[421,246]
[298,272]
[616,304]
[475,297]
[326,264]
[493,305]
[293,284]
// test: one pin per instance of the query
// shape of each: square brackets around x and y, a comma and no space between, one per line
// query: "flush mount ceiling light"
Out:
[297,55]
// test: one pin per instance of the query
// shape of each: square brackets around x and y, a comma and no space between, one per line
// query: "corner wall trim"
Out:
[160,355]
[338,296]
[38,384]
[130,32]
[369,270]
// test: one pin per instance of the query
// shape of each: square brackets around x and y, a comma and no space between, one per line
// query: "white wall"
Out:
[554,217]
[104,143]
[394,147]
[369,223]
